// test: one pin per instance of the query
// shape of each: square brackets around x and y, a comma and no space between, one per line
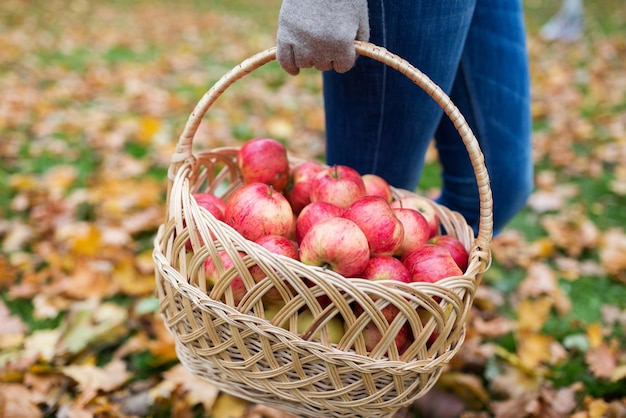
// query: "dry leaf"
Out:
[613,253]
[16,402]
[92,379]
[12,330]
[197,391]
[601,361]
[229,406]
[533,313]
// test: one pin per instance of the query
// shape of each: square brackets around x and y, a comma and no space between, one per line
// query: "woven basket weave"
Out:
[268,362]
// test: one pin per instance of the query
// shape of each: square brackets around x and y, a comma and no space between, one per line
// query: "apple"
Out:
[292,231]
[271,310]
[338,244]
[313,213]
[372,337]
[338,184]
[425,316]
[212,275]
[424,206]
[279,244]
[386,268]
[209,199]
[257,209]
[416,229]
[334,327]
[264,160]
[298,191]
[375,185]
[276,244]
[430,263]
[377,220]
[455,247]
[213,204]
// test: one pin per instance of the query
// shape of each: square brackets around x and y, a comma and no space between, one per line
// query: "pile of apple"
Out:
[333,217]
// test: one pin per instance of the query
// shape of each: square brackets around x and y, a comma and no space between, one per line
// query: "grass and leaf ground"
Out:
[94,95]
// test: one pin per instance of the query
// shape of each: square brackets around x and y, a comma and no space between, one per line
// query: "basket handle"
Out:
[183,149]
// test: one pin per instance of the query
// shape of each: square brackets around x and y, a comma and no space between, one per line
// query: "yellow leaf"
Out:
[228,406]
[533,313]
[595,335]
[83,238]
[597,408]
[148,128]
[23,182]
[619,373]
[131,281]
[534,349]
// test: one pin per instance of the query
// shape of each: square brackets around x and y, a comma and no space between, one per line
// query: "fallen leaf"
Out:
[16,402]
[613,253]
[229,406]
[601,361]
[12,330]
[533,313]
[91,323]
[92,379]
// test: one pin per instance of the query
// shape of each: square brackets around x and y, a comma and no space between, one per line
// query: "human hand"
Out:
[320,34]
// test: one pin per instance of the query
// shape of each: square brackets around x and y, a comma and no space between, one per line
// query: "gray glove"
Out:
[320,34]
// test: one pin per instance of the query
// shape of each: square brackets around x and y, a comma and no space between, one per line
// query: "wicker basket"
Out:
[267,362]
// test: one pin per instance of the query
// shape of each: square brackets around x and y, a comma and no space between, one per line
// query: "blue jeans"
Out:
[378,121]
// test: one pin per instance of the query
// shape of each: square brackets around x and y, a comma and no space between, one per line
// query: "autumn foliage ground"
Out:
[92,98]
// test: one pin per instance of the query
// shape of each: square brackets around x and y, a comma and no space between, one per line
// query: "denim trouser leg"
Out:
[378,121]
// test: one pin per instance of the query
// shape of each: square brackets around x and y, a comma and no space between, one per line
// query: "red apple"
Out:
[455,247]
[212,275]
[424,206]
[313,213]
[377,186]
[338,244]
[372,336]
[340,185]
[386,268]
[416,229]
[276,244]
[213,204]
[257,209]
[430,263]
[264,160]
[425,316]
[378,222]
[279,244]
[298,191]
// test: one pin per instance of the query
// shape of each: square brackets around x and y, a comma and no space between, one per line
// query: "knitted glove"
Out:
[320,34]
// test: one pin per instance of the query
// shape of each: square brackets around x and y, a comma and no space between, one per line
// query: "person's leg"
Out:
[492,91]
[377,120]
